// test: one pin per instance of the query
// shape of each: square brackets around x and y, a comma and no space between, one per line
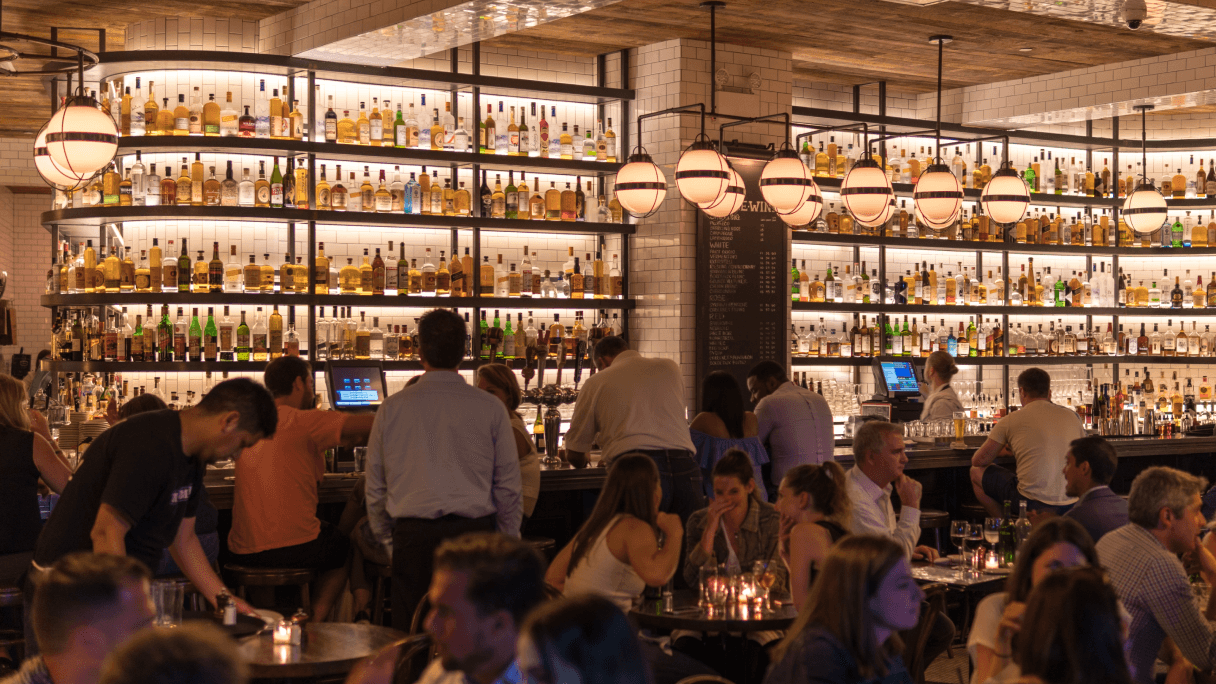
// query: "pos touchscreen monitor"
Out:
[896,379]
[355,385]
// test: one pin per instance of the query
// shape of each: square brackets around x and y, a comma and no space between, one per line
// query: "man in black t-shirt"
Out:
[138,487]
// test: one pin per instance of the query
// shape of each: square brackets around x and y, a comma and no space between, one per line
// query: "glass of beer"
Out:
[960,427]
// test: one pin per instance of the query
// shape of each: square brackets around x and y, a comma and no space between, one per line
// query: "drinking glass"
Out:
[960,425]
[360,458]
[168,595]
[958,530]
[764,578]
[975,545]
[708,576]
[720,588]
[992,531]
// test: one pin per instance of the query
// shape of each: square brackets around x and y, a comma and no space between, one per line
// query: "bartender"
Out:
[942,401]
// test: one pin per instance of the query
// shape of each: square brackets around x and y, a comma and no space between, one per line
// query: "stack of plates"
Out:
[87,429]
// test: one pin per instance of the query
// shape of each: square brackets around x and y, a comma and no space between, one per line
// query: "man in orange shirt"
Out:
[274,514]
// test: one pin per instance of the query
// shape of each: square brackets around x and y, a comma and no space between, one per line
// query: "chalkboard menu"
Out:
[741,284]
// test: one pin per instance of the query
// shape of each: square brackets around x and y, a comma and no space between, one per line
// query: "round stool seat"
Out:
[270,577]
[973,512]
[542,544]
[10,596]
[931,518]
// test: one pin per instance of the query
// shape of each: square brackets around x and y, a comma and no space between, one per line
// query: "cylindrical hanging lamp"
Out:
[1144,210]
[866,191]
[785,182]
[808,212]
[81,138]
[641,186]
[702,174]
[730,201]
[938,195]
[1005,198]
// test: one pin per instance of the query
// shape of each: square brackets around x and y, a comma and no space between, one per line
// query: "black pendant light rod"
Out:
[713,6]
[1144,108]
[768,118]
[699,107]
[941,44]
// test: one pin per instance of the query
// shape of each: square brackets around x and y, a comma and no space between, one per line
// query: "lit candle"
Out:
[282,632]
[992,562]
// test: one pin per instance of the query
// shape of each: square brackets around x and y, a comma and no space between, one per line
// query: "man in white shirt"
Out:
[1038,435]
[795,423]
[441,462]
[636,405]
[879,460]
[484,585]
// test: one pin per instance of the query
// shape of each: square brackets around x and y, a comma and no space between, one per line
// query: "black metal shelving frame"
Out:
[103,220]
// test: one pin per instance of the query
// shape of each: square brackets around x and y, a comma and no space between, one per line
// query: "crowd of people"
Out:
[1098,591]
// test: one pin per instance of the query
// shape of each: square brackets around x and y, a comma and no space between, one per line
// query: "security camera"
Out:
[1134,13]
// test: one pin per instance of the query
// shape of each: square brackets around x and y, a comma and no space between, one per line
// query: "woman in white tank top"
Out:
[616,554]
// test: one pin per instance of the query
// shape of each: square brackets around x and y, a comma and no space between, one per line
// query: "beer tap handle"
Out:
[528,372]
[542,353]
[561,363]
[580,347]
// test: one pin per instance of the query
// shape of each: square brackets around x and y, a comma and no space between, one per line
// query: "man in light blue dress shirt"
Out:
[442,462]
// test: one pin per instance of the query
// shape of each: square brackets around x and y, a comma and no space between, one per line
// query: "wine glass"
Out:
[764,578]
[958,530]
[975,543]
[992,531]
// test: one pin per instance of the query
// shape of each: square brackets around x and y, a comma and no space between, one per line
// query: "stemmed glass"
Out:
[992,532]
[958,532]
[975,543]
[764,578]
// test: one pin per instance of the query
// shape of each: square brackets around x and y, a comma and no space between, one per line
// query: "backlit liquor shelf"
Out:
[351,300]
[1098,359]
[864,241]
[1044,311]
[259,366]
[361,153]
[118,63]
[91,217]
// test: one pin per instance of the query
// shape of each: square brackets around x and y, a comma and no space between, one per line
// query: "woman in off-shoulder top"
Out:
[722,425]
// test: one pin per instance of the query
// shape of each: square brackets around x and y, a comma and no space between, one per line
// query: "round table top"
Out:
[327,649]
[688,615]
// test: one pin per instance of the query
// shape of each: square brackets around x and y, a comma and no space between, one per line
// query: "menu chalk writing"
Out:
[740,283]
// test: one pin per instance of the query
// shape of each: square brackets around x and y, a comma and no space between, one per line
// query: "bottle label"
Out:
[276,341]
[260,344]
[179,347]
[276,194]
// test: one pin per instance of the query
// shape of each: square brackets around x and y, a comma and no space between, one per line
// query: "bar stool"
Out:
[542,545]
[384,579]
[243,576]
[12,639]
[973,512]
[931,519]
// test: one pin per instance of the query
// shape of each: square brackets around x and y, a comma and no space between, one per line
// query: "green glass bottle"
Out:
[1029,176]
[971,348]
[1008,545]
[164,335]
[888,345]
[210,337]
[1060,291]
[512,199]
[242,340]
[184,271]
[907,338]
[276,186]
[485,336]
[795,286]
[497,335]
[194,340]
[508,334]
[399,128]
[137,341]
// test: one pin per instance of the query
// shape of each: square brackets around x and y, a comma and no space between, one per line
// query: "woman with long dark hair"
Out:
[616,553]
[724,424]
[848,632]
[1073,632]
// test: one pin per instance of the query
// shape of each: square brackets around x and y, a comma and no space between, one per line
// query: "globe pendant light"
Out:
[808,212]
[702,174]
[786,182]
[81,138]
[1006,197]
[866,192]
[1144,210]
[641,186]
[52,173]
[731,199]
[938,196]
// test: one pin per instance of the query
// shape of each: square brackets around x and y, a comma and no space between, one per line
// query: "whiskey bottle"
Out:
[259,338]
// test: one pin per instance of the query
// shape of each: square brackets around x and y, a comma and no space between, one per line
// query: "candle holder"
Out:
[287,633]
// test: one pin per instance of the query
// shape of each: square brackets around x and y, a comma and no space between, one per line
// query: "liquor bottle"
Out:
[569,204]
[377,274]
[510,197]
[580,199]
[502,137]
[566,143]
[275,334]
[347,133]
[513,136]
[443,277]
[259,338]
[543,141]
[276,186]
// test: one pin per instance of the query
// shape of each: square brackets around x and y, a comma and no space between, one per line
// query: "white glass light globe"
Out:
[785,182]
[641,186]
[731,199]
[881,219]
[702,174]
[1006,197]
[81,138]
[938,195]
[1144,210]
[866,192]
[808,212]
[51,172]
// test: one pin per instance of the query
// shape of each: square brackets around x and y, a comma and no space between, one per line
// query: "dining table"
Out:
[327,650]
[687,614]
